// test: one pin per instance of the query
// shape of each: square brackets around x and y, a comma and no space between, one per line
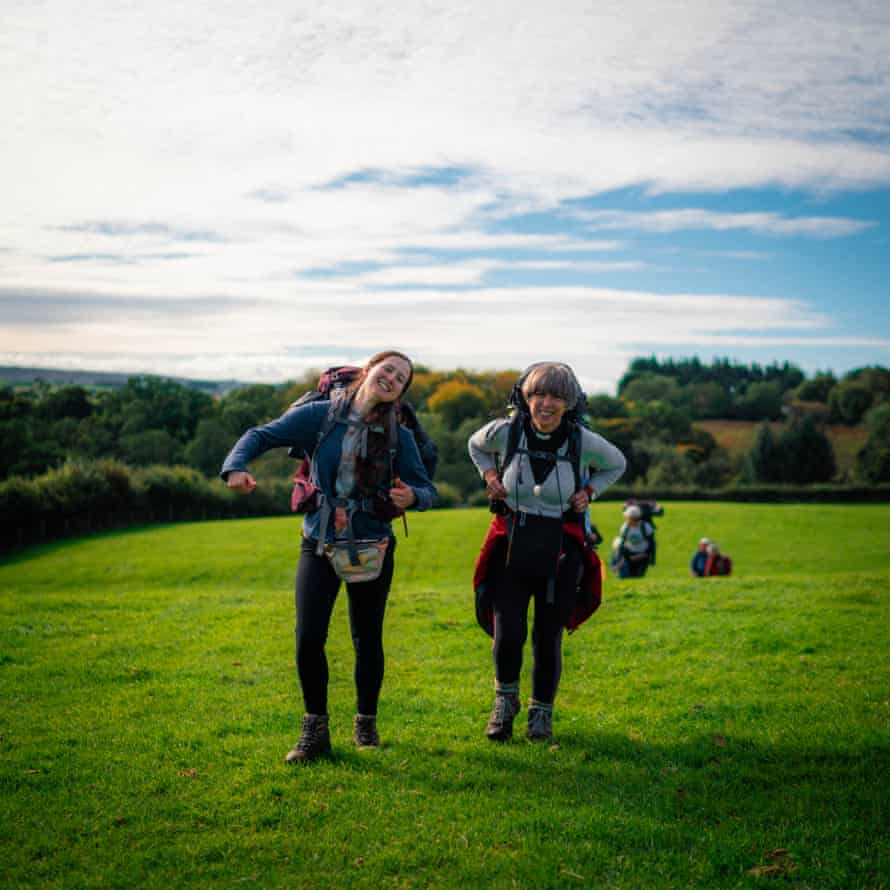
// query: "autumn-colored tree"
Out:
[455,401]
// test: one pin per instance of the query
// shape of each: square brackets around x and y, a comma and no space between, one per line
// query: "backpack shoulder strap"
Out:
[392,441]
[338,409]
[514,433]
[575,453]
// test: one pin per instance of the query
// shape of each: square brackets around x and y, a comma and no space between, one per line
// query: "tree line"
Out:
[652,416]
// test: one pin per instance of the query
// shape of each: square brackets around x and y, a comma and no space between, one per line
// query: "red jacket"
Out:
[590,588]
[718,564]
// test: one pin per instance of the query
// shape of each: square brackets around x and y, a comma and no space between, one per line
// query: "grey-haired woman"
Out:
[541,468]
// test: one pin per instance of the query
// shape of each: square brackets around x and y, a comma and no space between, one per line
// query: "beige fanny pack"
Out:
[364,564]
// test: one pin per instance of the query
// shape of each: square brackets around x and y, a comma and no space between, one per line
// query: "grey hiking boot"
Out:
[365,731]
[500,724]
[315,740]
[540,721]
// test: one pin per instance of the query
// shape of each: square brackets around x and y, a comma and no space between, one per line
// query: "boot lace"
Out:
[310,736]
[504,709]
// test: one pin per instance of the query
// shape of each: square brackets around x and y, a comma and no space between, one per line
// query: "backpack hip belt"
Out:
[327,505]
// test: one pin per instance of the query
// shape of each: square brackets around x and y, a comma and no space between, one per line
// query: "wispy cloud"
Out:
[155,230]
[468,272]
[118,258]
[692,218]
[270,196]
[40,307]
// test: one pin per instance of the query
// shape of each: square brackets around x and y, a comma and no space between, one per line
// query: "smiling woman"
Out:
[367,470]
[541,469]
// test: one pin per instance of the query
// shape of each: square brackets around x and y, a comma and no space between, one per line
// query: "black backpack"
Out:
[514,434]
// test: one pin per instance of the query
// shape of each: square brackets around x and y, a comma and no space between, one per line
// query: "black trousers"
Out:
[316,592]
[512,594]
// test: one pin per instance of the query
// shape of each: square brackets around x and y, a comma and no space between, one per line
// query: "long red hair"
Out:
[373,469]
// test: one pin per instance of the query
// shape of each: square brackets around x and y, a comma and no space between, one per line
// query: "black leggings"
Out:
[512,594]
[317,588]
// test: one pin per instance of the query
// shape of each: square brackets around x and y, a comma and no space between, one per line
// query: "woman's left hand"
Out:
[402,495]
[580,501]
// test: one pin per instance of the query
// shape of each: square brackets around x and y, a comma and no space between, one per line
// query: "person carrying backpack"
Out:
[536,548]
[699,559]
[634,548]
[331,384]
[366,470]
[717,563]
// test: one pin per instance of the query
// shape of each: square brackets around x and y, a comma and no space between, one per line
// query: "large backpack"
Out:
[304,496]
[648,535]
[648,510]
[721,565]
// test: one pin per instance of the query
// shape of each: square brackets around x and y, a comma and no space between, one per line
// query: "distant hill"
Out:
[15,376]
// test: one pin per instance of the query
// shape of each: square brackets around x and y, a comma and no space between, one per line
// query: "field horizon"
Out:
[708,733]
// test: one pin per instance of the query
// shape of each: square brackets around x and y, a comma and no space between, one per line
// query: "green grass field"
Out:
[709,733]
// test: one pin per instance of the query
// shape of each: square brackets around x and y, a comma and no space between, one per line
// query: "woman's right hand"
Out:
[493,486]
[241,481]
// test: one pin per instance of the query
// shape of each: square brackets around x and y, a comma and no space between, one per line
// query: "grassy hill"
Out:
[709,733]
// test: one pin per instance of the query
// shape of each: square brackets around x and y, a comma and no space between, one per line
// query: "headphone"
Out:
[575,403]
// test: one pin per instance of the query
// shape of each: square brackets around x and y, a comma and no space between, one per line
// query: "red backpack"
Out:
[719,564]
[304,497]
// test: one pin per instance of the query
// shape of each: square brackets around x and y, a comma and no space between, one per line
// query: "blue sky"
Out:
[216,191]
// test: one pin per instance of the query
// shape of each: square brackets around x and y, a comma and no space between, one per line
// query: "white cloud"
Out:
[181,150]
[692,218]
[490,327]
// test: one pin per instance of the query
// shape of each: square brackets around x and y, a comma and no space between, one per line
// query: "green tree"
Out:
[808,456]
[208,448]
[759,401]
[802,455]
[156,403]
[661,420]
[627,434]
[707,400]
[149,447]
[817,389]
[652,388]
[849,401]
[875,379]
[669,468]
[764,461]
[455,466]
[14,404]
[66,401]
[601,405]
[251,405]
[873,460]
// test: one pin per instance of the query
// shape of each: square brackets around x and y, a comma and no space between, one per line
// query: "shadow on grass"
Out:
[709,778]
[727,809]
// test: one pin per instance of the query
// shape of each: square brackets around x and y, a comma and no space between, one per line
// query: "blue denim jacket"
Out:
[299,428]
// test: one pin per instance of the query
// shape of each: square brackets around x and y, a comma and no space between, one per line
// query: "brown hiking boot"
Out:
[315,740]
[500,724]
[364,732]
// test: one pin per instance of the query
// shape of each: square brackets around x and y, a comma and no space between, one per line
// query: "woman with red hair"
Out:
[367,470]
